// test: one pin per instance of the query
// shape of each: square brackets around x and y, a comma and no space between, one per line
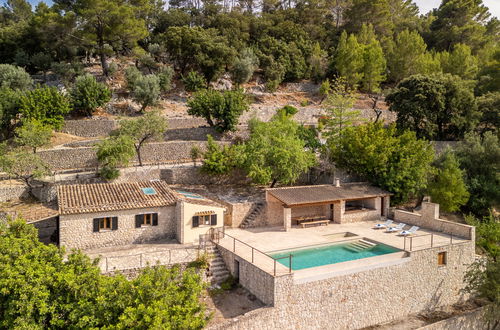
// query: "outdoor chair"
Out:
[395,229]
[383,225]
[410,231]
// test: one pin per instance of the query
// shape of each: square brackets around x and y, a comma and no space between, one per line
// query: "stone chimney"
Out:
[337,182]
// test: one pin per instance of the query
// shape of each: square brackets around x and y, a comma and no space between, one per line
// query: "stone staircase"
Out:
[249,220]
[360,245]
[216,267]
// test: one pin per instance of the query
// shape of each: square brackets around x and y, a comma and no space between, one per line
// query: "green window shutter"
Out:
[96,225]
[114,223]
[213,220]
[138,220]
[196,221]
[155,219]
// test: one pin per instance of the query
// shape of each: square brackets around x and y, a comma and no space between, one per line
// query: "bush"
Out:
[45,104]
[194,81]
[244,67]
[165,74]
[274,76]
[33,134]
[221,109]
[88,94]
[146,90]
[14,77]
[41,62]
[67,71]
[218,160]
[132,74]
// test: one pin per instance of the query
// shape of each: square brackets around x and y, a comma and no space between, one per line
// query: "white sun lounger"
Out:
[397,228]
[383,225]
[410,231]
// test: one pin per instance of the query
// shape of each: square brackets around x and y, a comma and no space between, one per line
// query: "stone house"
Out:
[112,214]
[349,202]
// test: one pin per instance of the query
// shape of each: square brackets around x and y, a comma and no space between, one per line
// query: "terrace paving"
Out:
[269,240]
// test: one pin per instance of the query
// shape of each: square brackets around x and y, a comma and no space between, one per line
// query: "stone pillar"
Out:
[338,211]
[430,211]
[287,218]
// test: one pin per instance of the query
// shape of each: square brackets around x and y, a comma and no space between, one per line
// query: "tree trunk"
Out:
[138,151]
[102,53]
[273,183]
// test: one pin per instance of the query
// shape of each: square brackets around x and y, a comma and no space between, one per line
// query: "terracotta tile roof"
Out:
[97,197]
[325,193]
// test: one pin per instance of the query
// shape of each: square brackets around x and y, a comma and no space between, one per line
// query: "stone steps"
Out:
[359,246]
[250,218]
[216,266]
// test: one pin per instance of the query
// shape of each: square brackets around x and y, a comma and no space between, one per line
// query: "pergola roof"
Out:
[303,195]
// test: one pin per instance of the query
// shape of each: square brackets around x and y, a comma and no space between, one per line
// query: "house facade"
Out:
[113,214]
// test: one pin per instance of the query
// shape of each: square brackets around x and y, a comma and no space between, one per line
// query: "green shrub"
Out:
[146,90]
[165,74]
[88,94]
[14,77]
[194,81]
[132,74]
[45,104]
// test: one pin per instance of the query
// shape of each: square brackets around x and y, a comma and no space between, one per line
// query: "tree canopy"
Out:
[44,288]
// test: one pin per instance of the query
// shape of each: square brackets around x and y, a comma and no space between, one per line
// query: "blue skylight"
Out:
[148,191]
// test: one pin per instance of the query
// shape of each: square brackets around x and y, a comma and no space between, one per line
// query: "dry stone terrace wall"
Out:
[102,127]
[152,153]
[378,295]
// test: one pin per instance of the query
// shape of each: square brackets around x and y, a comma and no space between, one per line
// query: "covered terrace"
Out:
[321,204]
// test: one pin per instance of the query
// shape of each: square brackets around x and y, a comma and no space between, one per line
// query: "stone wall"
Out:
[12,192]
[274,211]
[237,212]
[47,230]
[380,294]
[167,257]
[89,128]
[102,127]
[317,210]
[152,153]
[357,216]
[470,321]
[76,231]
[260,283]
[428,217]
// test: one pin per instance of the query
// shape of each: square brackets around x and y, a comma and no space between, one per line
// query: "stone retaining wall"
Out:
[12,192]
[428,217]
[359,299]
[167,257]
[470,321]
[85,158]
[102,127]
[237,212]
[47,230]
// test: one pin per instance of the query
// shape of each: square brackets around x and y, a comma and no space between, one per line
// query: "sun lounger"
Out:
[410,231]
[383,225]
[397,228]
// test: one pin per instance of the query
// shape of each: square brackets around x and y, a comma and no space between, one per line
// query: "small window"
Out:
[105,224]
[442,258]
[147,219]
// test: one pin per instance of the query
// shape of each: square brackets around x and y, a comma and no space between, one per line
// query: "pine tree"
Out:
[406,55]
[349,59]
[374,63]
[460,62]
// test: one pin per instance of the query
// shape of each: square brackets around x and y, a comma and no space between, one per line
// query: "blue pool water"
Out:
[331,254]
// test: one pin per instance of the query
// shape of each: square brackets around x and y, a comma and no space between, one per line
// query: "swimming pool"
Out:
[332,254]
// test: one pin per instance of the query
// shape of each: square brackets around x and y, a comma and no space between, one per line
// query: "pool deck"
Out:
[269,239]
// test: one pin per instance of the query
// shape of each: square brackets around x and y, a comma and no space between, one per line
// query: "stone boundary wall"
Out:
[440,225]
[102,127]
[166,257]
[470,321]
[354,301]
[152,153]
